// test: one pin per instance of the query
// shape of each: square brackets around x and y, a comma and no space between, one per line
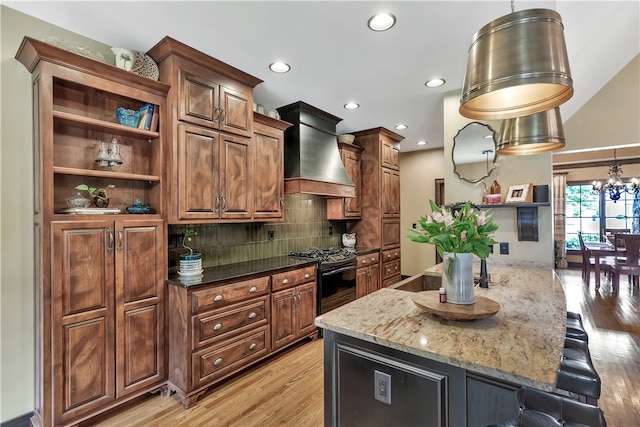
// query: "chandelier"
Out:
[614,185]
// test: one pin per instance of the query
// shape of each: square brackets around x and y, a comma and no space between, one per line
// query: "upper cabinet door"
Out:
[198,100]
[198,176]
[390,193]
[236,111]
[390,154]
[269,172]
[236,178]
[351,161]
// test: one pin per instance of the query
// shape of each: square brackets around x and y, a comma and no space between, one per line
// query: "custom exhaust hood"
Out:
[312,162]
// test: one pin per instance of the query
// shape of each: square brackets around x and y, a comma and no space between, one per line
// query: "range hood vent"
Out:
[312,162]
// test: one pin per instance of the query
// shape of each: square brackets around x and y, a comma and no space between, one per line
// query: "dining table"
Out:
[598,250]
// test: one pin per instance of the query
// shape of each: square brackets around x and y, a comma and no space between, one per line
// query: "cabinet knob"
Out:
[253,346]
[373,259]
[388,255]
[217,298]
[396,268]
[364,261]
[306,276]
[217,362]
[396,254]
[285,281]
[252,315]
[252,289]
[217,326]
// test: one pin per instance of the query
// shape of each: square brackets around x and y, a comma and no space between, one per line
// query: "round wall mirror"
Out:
[474,152]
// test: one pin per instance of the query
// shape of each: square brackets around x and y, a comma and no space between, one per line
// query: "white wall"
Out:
[419,170]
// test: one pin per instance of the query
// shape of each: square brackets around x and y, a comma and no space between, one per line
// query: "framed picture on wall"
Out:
[520,193]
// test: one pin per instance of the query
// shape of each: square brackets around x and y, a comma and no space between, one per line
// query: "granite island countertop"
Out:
[521,344]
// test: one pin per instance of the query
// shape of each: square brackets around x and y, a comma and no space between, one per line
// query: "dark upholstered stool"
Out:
[575,328]
[577,374]
[541,409]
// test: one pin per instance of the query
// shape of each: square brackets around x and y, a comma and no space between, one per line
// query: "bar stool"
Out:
[541,409]
[575,328]
[577,374]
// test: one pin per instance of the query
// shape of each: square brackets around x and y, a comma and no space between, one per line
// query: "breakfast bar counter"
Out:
[520,345]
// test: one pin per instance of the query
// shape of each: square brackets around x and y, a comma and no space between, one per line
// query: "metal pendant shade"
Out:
[533,134]
[517,66]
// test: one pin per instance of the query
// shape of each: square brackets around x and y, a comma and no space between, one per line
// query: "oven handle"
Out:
[339,270]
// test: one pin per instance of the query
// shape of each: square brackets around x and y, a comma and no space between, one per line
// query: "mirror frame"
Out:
[493,160]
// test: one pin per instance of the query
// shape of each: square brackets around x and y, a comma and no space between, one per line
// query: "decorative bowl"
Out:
[78,201]
[347,138]
[128,117]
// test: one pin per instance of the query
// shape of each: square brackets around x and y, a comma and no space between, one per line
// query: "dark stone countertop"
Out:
[238,270]
[362,250]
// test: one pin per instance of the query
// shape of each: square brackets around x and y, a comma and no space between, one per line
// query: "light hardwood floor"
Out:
[288,390]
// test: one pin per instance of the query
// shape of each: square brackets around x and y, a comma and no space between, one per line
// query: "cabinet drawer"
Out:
[215,326]
[391,268]
[212,363]
[391,254]
[220,296]
[293,278]
[391,281]
[368,259]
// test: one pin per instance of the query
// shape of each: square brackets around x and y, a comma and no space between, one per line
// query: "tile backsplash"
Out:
[305,226]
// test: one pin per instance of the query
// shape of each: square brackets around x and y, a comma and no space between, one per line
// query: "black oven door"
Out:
[336,287]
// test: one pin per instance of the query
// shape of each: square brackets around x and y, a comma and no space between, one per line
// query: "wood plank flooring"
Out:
[288,390]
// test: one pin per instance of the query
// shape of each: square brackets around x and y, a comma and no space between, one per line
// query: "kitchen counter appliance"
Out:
[336,275]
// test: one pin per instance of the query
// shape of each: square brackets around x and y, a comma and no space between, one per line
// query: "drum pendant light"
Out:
[533,134]
[517,66]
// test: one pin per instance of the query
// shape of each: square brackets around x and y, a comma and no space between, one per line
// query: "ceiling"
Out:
[336,59]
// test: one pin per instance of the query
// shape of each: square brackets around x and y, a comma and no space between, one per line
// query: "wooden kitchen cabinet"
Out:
[210,156]
[379,225]
[268,167]
[219,329]
[108,283]
[293,305]
[215,331]
[347,207]
[215,174]
[99,280]
[367,274]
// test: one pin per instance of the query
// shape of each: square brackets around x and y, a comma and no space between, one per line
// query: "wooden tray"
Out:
[429,301]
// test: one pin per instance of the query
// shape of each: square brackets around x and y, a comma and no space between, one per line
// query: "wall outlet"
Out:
[382,387]
[504,248]
[271,233]
[330,230]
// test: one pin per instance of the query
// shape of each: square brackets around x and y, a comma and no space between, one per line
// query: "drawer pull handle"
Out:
[217,362]
[372,259]
[217,326]
[306,276]
[217,298]
[252,315]
[252,346]
[396,268]
[388,255]
[252,289]
[364,261]
[285,281]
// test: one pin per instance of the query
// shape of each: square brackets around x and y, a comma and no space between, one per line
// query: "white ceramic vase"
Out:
[457,278]
[124,58]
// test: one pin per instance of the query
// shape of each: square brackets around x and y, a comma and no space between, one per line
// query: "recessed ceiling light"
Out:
[422,143]
[351,105]
[434,83]
[401,127]
[279,67]
[381,21]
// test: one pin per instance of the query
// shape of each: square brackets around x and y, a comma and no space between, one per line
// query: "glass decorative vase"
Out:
[457,277]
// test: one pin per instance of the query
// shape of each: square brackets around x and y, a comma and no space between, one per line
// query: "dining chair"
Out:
[627,259]
[610,232]
[588,262]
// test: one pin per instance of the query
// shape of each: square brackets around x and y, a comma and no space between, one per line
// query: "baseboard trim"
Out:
[21,421]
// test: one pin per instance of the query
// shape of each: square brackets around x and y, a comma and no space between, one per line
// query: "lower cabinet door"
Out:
[305,309]
[282,318]
[82,351]
[140,273]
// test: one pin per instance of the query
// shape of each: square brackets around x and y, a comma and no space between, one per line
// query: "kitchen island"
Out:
[443,372]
